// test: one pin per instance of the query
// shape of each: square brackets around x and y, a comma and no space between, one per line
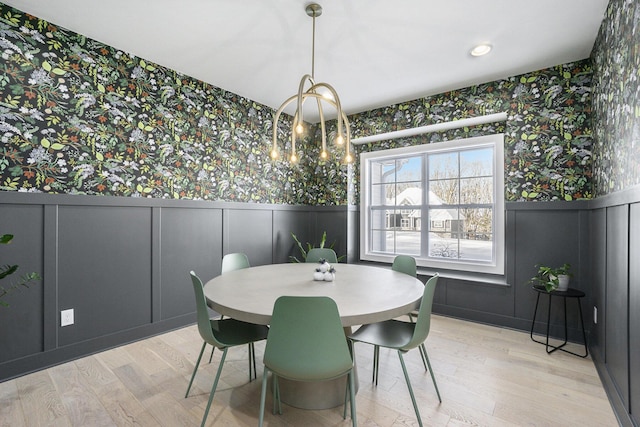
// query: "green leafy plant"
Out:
[550,277]
[7,270]
[305,249]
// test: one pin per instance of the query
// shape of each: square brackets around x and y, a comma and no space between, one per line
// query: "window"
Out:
[456,186]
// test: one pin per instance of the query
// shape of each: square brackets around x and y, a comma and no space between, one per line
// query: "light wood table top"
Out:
[363,294]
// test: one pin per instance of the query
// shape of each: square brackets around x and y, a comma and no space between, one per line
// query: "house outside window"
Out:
[457,187]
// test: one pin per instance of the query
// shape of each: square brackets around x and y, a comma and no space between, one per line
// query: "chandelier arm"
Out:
[344,132]
[336,99]
[274,150]
[301,97]
[293,158]
[323,129]
[347,146]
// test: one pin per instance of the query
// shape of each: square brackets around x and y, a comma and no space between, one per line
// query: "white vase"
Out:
[563,282]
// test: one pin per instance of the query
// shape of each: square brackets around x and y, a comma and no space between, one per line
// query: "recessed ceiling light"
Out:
[481,49]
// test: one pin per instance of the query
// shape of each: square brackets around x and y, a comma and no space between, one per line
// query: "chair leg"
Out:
[263,396]
[413,398]
[277,395]
[204,343]
[213,387]
[423,351]
[352,392]
[346,397]
[433,378]
[275,391]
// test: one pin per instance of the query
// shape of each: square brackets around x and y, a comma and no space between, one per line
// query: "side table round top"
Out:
[569,293]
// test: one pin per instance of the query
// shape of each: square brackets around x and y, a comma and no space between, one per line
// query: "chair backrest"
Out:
[235,261]
[423,323]
[405,264]
[316,254]
[204,324]
[306,340]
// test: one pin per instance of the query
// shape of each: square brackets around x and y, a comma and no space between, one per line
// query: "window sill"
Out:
[478,278]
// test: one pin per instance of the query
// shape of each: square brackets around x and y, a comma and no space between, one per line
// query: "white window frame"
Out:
[496,265]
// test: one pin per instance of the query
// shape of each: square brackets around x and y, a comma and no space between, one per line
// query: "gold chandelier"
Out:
[343,134]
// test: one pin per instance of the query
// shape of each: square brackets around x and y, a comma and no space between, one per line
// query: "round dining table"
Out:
[364,294]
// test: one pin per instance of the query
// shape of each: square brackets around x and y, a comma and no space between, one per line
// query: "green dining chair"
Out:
[234,261]
[316,254]
[402,336]
[306,342]
[406,264]
[222,334]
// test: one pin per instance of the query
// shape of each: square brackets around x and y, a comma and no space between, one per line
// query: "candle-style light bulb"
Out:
[293,158]
[324,155]
[348,158]
[339,139]
[274,154]
[299,128]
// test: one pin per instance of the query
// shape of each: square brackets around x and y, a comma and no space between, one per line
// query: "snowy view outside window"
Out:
[441,203]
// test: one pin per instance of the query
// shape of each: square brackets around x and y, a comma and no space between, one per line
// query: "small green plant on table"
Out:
[550,277]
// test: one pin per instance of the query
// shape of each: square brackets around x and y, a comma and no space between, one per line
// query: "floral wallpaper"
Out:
[616,99]
[80,117]
[547,132]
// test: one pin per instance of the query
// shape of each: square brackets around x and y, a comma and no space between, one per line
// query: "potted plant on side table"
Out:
[553,279]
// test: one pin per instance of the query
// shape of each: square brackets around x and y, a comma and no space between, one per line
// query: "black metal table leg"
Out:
[569,293]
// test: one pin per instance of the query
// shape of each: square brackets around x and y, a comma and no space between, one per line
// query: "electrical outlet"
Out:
[66,317]
[595,314]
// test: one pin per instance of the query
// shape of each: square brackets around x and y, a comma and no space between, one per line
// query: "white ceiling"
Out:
[374,52]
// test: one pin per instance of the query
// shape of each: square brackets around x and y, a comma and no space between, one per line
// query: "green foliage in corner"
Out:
[305,249]
[7,270]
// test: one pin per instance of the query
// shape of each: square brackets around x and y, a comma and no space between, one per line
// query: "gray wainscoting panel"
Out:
[104,269]
[548,238]
[249,231]
[634,311]
[190,239]
[478,297]
[598,274]
[122,264]
[286,222]
[334,222]
[21,324]
[617,309]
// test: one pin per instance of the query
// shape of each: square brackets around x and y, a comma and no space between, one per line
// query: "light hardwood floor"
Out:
[487,376]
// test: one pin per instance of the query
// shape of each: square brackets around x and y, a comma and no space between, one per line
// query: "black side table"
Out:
[569,293]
